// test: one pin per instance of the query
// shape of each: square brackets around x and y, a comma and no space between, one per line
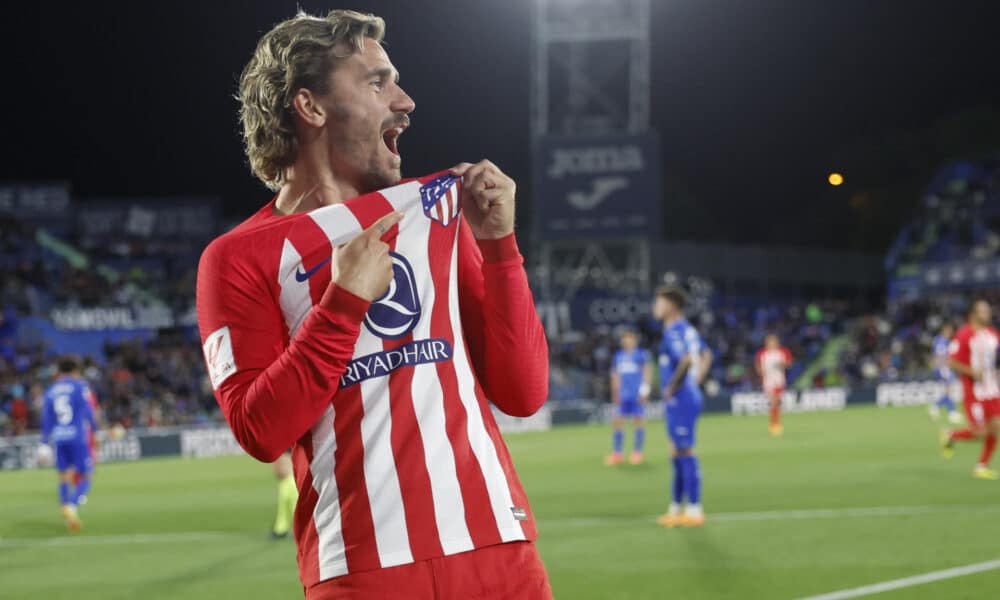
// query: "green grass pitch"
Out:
[197,528]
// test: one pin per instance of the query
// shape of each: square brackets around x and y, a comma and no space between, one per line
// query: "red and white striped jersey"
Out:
[772,363]
[977,348]
[398,457]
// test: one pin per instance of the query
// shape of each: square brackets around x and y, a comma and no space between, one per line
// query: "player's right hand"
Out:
[976,374]
[364,266]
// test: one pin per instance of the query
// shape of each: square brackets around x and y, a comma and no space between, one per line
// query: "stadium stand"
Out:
[142,377]
[152,373]
[959,218]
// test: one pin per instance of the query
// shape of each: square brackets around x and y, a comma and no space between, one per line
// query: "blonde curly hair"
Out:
[297,53]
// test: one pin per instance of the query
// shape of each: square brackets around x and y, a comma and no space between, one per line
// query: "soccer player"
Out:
[371,344]
[973,356]
[630,377]
[684,362]
[772,362]
[288,496]
[67,421]
[944,375]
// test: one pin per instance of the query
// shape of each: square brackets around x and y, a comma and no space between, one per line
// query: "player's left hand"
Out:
[487,199]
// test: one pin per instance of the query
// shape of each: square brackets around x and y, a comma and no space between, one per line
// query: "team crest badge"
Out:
[440,199]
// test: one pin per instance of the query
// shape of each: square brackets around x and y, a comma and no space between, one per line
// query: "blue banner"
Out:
[597,186]
[946,276]
[36,201]
[589,308]
[178,218]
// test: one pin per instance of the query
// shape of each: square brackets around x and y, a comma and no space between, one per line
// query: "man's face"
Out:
[947,331]
[982,314]
[367,113]
[629,341]
[771,341]
[663,308]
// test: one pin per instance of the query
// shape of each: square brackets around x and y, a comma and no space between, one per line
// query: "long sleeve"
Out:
[46,421]
[505,336]
[271,394]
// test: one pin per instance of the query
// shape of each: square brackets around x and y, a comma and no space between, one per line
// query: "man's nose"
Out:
[403,103]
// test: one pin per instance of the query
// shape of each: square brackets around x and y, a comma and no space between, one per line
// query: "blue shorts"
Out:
[682,412]
[76,455]
[630,407]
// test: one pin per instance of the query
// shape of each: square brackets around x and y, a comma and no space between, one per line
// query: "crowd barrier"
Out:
[21,452]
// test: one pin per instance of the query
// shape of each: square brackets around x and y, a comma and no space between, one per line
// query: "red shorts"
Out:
[980,412]
[512,570]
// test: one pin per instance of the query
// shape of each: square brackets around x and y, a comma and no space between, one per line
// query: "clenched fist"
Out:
[363,265]
[487,199]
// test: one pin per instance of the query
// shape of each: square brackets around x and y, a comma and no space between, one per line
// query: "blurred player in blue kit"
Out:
[944,375]
[684,361]
[67,421]
[630,377]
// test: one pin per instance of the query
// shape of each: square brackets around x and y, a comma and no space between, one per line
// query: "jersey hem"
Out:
[340,566]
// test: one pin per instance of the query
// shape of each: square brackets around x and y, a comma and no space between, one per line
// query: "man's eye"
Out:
[378,84]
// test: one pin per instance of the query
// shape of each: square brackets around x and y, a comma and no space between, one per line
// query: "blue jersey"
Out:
[67,416]
[680,339]
[629,367]
[941,355]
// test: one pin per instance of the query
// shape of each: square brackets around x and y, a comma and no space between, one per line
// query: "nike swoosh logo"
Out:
[301,275]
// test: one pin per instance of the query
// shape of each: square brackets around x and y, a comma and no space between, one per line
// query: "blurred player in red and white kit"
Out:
[92,443]
[373,345]
[772,362]
[973,353]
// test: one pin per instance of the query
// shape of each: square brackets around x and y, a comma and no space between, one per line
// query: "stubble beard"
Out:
[375,178]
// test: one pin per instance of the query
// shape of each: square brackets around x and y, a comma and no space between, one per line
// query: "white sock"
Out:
[675,509]
[693,510]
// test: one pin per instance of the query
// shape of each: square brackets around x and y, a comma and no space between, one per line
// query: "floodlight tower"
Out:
[590,77]
[584,51]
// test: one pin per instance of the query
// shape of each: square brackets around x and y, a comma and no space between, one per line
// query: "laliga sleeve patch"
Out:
[219,356]
[519,513]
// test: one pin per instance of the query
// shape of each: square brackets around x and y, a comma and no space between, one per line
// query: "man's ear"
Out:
[308,109]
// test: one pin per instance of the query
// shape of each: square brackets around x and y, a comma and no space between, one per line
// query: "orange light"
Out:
[835,179]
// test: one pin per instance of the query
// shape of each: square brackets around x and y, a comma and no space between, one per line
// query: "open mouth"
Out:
[391,139]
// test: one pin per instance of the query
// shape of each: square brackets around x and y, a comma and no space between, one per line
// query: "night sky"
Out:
[754,100]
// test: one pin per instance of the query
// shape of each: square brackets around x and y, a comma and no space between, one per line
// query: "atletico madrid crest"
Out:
[440,199]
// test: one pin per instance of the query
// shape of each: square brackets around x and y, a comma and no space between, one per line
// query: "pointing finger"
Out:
[381,227]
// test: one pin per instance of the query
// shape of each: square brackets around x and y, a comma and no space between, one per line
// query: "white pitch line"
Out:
[905,582]
[782,515]
[747,516]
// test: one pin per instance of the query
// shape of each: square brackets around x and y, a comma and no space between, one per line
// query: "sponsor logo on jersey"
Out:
[440,200]
[381,364]
[301,275]
[396,313]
